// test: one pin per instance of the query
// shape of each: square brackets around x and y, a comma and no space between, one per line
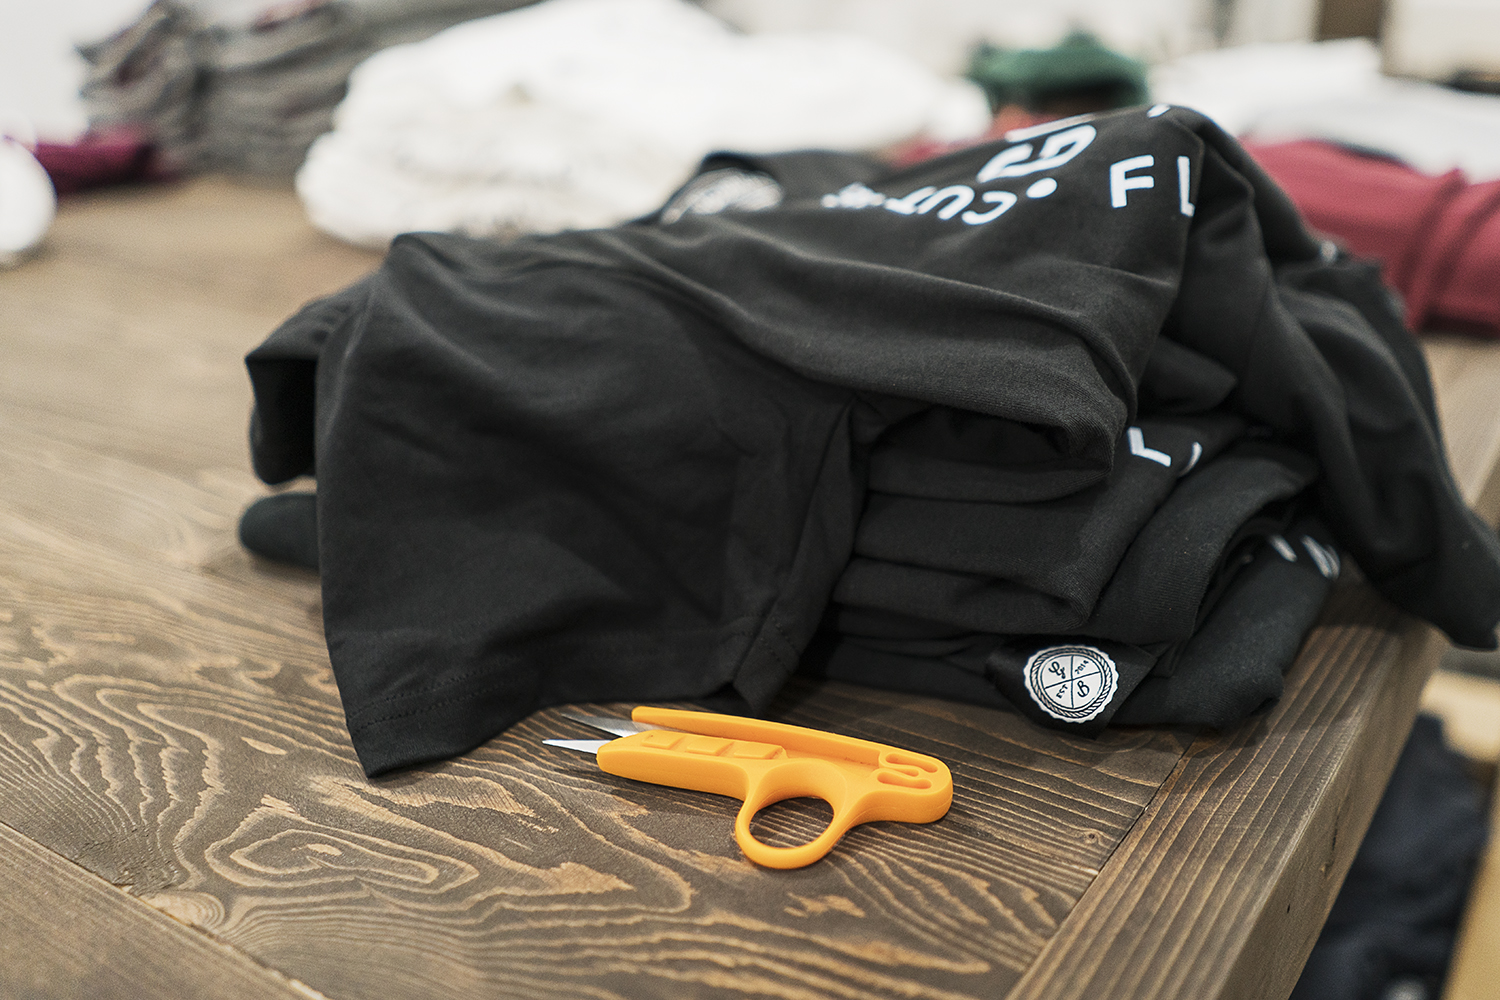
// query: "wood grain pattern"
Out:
[65,935]
[168,720]
[229,799]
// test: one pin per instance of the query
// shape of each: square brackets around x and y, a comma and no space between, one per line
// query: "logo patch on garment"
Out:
[1071,683]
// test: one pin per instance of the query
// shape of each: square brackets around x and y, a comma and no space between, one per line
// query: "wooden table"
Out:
[181,814]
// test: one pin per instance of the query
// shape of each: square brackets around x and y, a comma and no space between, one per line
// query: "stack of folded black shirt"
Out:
[1080,420]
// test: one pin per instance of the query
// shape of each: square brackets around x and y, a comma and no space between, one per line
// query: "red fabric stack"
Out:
[1437,238]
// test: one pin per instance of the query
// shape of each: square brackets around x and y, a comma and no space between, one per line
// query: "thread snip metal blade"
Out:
[584,746]
[608,723]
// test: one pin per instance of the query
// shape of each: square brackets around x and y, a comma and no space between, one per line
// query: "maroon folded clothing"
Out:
[117,156]
[1437,238]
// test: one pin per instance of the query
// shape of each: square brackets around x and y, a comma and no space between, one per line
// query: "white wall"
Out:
[1272,21]
[39,71]
[1435,38]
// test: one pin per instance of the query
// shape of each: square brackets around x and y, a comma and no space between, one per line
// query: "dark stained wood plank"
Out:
[66,935]
[1054,795]
[168,719]
[228,798]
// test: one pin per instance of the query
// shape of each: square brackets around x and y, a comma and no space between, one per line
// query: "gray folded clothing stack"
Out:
[246,87]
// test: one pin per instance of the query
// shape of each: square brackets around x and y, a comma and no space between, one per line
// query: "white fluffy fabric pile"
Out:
[583,113]
[27,201]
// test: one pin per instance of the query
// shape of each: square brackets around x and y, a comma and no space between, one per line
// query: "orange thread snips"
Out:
[766,762]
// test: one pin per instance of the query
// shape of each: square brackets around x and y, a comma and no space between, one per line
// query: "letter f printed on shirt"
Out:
[1121,181]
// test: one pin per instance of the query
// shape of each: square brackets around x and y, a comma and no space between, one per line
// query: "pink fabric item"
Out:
[99,159]
[1437,238]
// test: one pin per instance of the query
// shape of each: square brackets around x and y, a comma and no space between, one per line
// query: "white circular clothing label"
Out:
[1071,683]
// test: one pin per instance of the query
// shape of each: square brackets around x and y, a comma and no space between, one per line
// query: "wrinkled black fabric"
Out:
[1159,587]
[283,527]
[631,463]
[536,529]
[1233,664]
[1180,380]
[1323,370]
[1037,567]
[1398,913]
[946,454]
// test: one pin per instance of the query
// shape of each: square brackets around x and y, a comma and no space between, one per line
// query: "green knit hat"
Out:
[1077,68]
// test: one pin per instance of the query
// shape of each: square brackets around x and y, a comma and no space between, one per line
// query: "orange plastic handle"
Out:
[766,762]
